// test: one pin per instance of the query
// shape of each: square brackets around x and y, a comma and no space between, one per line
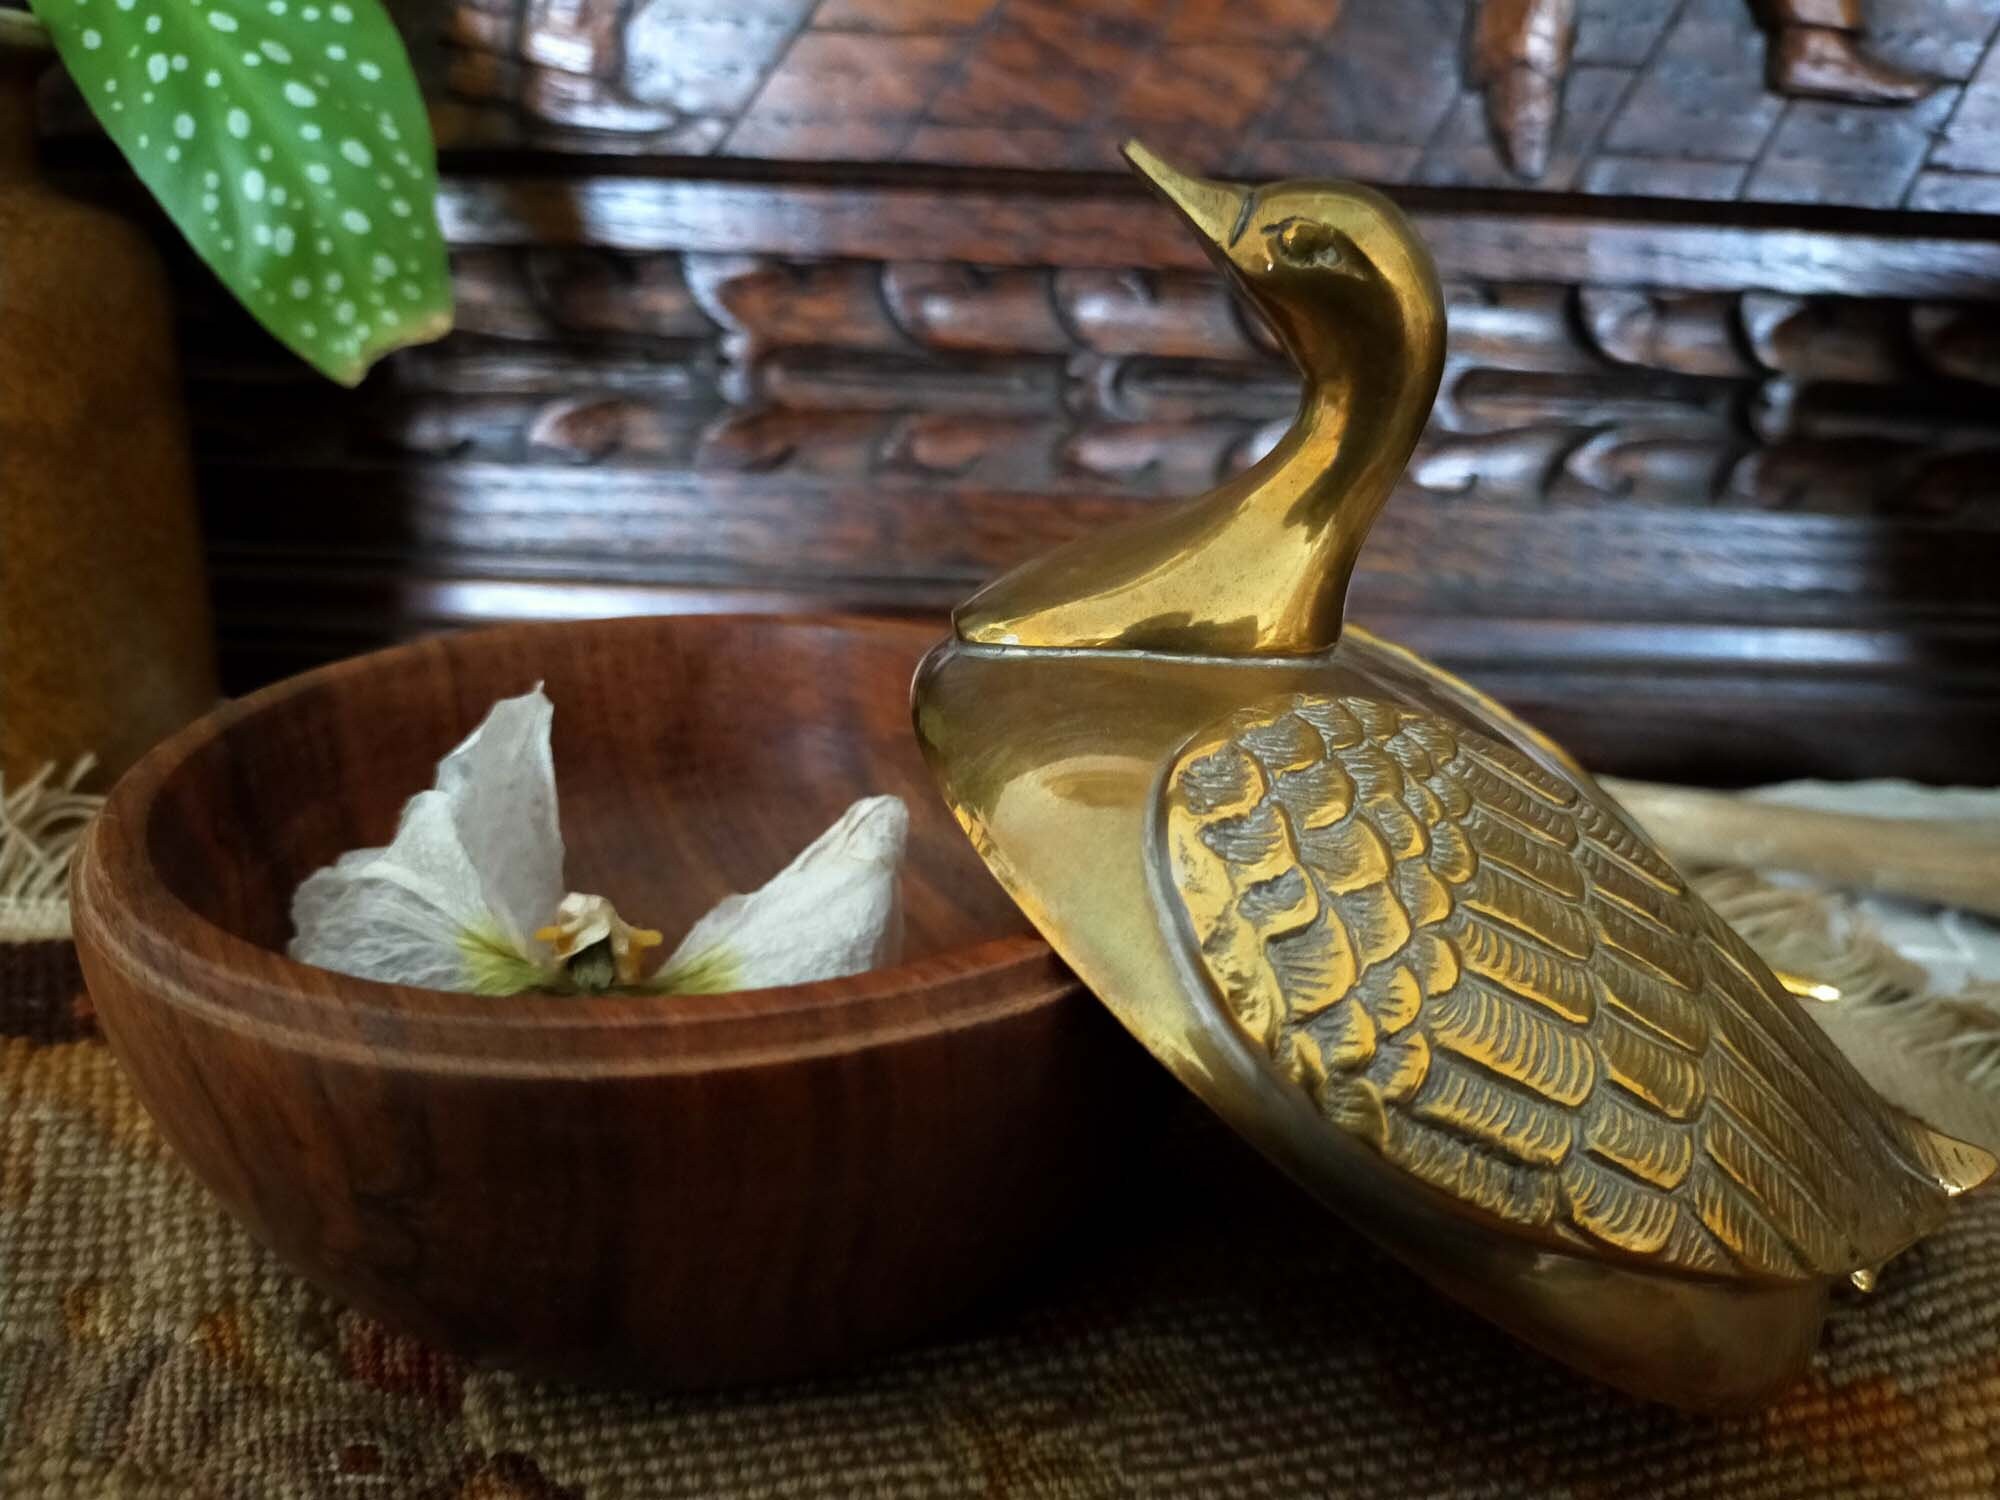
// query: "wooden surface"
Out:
[688,1189]
[839,302]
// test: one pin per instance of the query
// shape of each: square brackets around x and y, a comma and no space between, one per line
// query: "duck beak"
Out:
[1217,209]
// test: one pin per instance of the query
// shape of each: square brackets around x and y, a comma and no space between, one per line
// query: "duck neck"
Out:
[1259,565]
[1300,516]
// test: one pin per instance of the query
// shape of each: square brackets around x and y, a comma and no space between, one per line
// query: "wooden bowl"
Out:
[683,1190]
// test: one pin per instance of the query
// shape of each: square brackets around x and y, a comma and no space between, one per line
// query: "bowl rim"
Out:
[127,917]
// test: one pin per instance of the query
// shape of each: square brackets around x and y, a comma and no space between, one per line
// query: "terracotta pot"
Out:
[105,641]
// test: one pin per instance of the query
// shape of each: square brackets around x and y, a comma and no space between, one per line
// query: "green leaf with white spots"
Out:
[287,140]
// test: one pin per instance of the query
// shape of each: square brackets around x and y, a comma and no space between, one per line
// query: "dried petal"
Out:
[501,785]
[454,899]
[834,910]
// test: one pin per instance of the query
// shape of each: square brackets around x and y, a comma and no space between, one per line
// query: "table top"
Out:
[1251,1346]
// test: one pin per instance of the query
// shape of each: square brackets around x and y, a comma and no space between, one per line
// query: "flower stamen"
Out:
[586,931]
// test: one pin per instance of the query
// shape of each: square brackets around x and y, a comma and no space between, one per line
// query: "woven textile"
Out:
[1244,1344]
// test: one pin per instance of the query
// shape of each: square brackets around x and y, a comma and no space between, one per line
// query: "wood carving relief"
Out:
[1620,483]
[1520,56]
[1155,382]
[862,318]
[1764,100]
[1522,50]
[1817,52]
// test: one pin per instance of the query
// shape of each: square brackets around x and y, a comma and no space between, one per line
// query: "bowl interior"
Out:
[695,756]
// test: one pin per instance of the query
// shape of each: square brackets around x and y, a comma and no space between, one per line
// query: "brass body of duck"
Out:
[1398,940]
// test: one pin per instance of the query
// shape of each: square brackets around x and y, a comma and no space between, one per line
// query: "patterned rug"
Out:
[1246,1345]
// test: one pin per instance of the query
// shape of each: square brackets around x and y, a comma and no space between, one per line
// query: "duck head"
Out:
[1259,565]
[1333,268]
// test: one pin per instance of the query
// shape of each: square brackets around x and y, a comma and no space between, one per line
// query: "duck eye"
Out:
[1307,242]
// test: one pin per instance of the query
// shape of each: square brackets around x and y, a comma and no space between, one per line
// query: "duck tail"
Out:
[1959,1166]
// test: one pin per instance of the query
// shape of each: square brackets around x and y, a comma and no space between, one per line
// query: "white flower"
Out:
[834,910]
[475,868]
[469,894]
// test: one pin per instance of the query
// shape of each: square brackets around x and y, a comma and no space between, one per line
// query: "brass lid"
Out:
[1395,938]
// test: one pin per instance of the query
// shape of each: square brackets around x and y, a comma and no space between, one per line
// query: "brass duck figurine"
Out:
[1397,939]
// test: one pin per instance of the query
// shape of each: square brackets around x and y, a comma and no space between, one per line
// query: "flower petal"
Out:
[501,784]
[413,913]
[453,900]
[834,910]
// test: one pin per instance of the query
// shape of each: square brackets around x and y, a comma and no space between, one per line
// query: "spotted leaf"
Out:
[287,139]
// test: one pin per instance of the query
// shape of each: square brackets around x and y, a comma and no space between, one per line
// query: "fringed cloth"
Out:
[40,823]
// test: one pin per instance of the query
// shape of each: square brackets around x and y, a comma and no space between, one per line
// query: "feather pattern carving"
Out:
[1479,968]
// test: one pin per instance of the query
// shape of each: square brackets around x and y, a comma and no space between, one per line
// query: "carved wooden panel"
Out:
[837,303]
[1887,103]
[1156,383]
[1637,504]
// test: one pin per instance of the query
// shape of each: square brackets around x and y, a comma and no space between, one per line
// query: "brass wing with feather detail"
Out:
[1490,977]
